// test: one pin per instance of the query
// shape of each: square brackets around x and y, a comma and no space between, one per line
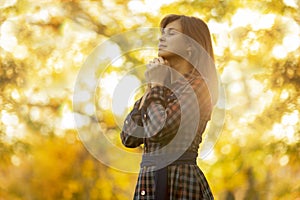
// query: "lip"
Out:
[161,46]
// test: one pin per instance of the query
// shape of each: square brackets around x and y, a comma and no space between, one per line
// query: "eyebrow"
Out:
[169,29]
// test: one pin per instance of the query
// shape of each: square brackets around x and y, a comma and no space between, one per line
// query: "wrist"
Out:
[155,84]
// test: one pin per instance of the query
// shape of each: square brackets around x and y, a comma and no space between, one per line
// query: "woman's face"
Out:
[172,42]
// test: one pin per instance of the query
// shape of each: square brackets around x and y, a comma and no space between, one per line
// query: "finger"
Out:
[149,66]
[161,60]
[147,75]
[166,62]
[155,61]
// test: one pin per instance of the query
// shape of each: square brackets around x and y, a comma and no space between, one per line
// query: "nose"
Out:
[162,38]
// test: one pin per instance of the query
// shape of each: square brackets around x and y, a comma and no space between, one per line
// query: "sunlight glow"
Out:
[9,133]
[254,47]
[20,51]
[264,21]
[82,96]
[8,43]
[244,17]
[284,160]
[108,3]
[118,62]
[209,156]
[291,3]
[35,113]
[73,31]
[255,88]
[279,52]
[7,28]
[286,129]
[226,149]
[236,87]
[124,94]
[15,131]
[147,6]
[220,31]
[264,100]
[109,83]
[81,120]
[251,43]
[104,102]
[231,72]
[291,119]
[284,95]
[7,3]
[43,15]
[115,91]
[259,100]
[40,97]
[291,42]
[58,66]
[78,58]
[12,126]
[15,160]
[292,26]
[89,109]
[9,119]
[67,121]
[108,50]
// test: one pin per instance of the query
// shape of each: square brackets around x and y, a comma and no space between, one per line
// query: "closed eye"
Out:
[169,31]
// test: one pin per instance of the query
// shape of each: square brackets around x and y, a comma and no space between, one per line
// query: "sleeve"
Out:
[160,116]
[133,132]
[161,113]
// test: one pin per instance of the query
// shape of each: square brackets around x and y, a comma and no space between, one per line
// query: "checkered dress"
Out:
[170,123]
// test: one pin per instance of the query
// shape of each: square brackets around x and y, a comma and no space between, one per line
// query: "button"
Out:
[145,116]
[143,192]
[126,122]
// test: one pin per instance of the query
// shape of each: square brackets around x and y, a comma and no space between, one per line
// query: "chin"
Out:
[162,53]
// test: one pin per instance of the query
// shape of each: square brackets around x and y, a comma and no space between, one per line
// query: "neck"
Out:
[180,66]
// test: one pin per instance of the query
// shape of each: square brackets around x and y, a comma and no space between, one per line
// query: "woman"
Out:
[172,115]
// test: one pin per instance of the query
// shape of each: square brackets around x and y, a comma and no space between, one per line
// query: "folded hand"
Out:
[157,72]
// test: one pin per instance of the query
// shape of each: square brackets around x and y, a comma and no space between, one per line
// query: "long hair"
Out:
[203,56]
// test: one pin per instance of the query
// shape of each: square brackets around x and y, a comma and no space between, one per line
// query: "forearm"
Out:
[160,114]
[133,132]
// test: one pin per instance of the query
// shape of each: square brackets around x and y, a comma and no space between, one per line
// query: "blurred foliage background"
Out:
[43,45]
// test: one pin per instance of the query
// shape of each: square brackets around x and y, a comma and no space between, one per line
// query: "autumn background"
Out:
[43,46]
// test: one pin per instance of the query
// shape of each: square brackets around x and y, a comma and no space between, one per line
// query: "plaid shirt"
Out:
[170,122]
